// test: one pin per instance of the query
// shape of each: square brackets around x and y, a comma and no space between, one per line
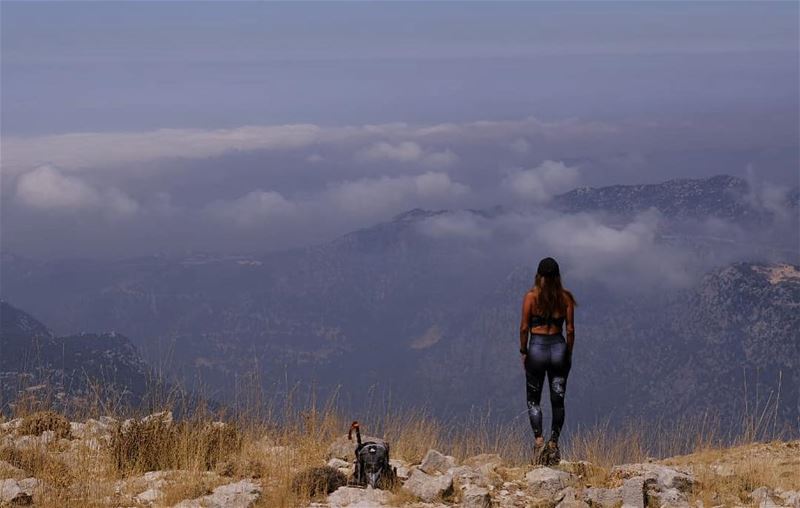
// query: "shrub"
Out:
[316,481]
[35,424]
[143,445]
[218,442]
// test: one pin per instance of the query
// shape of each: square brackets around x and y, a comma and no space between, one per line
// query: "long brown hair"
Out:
[552,298]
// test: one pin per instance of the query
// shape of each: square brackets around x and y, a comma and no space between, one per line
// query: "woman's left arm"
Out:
[570,326]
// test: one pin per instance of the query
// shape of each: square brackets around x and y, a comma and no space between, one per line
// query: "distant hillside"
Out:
[434,320]
[34,361]
[722,196]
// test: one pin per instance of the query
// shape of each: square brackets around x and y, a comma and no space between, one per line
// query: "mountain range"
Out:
[431,319]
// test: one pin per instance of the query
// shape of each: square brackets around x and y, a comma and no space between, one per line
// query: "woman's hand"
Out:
[524,357]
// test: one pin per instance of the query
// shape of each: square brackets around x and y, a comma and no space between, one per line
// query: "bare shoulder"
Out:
[569,296]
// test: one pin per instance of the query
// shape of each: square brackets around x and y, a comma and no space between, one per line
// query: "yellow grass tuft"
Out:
[35,424]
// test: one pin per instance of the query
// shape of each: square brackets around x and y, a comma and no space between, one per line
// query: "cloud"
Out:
[392,141]
[520,146]
[372,195]
[459,224]
[254,208]
[45,188]
[539,184]
[406,151]
[441,159]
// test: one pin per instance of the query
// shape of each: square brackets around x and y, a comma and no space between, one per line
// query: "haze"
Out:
[144,128]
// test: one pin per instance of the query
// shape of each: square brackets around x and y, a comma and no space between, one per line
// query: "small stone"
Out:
[436,462]
[403,471]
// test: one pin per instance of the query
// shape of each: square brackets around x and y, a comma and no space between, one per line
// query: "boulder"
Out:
[665,477]
[480,477]
[475,497]
[568,498]
[149,496]
[353,497]
[604,498]
[16,492]
[241,494]
[762,497]
[436,462]
[428,487]
[633,493]
[789,497]
[545,481]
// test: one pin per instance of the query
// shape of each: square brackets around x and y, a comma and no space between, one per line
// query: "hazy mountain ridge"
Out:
[33,359]
[411,312]
[721,196]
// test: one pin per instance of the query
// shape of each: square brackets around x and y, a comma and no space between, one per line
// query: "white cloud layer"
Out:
[541,183]
[254,208]
[392,141]
[45,188]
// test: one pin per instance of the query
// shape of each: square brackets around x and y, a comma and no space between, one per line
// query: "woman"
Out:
[545,351]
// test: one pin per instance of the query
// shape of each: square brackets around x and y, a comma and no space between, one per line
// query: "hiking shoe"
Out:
[550,454]
[537,453]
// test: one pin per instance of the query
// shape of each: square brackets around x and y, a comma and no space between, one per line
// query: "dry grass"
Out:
[271,442]
[35,424]
[39,463]
[156,443]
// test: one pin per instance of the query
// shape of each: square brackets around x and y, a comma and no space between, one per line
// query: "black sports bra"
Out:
[536,320]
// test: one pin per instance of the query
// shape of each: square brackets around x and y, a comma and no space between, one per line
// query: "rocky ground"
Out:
[69,466]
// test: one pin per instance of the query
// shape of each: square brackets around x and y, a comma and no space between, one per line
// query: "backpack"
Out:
[372,465]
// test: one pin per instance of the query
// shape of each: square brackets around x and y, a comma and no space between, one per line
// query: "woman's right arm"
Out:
[527,304]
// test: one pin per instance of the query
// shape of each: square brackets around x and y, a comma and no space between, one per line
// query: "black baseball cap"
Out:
[548,267]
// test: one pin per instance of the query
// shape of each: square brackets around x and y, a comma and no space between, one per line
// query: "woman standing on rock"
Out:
[545,309]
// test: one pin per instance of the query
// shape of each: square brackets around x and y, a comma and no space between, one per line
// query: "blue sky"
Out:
[77,66]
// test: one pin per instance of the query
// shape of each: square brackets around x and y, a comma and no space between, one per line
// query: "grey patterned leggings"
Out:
[547,354]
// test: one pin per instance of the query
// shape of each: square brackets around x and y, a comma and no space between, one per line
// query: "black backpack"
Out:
[372,465]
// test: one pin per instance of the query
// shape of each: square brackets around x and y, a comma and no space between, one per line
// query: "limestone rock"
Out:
[17,492]
[403,470]
[436,462]
[149,496]
[568,498]
[665,477]
[428,487]
[353,497]
[545,481]
[633,493]
[604,498]
[241,494]
[475,497]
